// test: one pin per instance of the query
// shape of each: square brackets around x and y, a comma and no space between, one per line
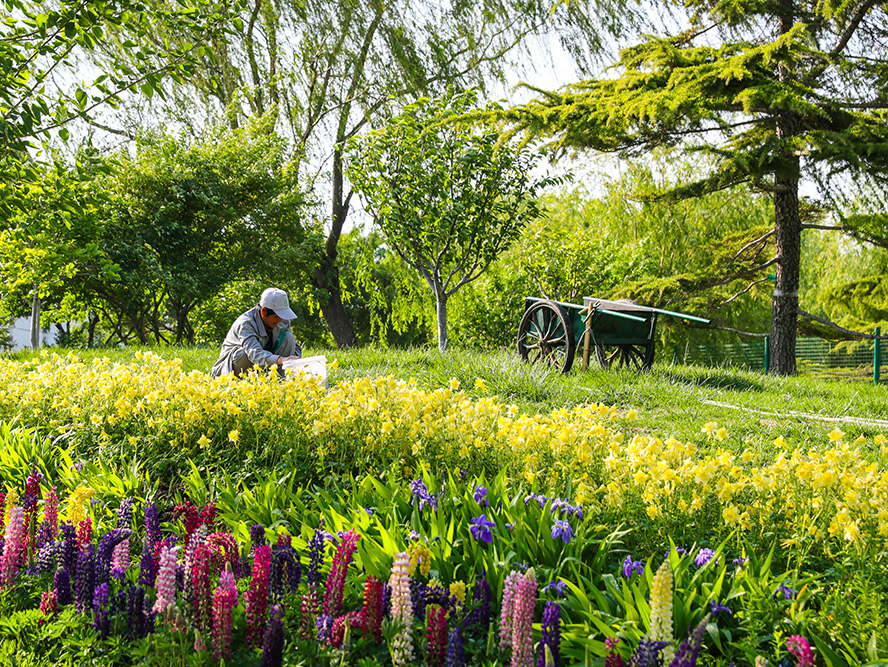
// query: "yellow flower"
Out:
[333,365]
[480,384]
[709,428]
[880,439]
[632,415]
[780,442]
[730,514]
[203,441]
[661,609]
[721,434]
[234,436]
[458,590]
[453,384]
[836,435]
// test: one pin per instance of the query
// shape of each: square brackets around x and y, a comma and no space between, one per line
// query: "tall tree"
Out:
[449,197]
[774,92]
[333,66]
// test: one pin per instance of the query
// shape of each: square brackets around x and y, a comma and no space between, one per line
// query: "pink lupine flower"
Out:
[200,588]
[522,620]
[371,612]
[13,546]
[120,558]
[508,605]
[336,579]
[49,605]
[51,513]
[257,596]
[166,580]
[402,610]
[801,649]
[84,532]
[436,636]
[224,602]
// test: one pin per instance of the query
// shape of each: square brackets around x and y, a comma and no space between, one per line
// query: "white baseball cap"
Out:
[277,300]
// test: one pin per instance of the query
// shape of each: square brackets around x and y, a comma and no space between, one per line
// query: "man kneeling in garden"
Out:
[260,337]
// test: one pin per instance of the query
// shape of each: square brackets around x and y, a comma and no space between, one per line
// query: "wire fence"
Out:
[815,357]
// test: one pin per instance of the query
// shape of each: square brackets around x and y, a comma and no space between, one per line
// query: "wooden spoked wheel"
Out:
[545,336]
[622,356]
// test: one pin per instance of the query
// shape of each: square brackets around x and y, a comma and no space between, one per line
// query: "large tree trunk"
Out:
[787,231]
[784,307]
[326,275]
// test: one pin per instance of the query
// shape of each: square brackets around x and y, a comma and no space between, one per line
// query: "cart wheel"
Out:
[622,356]
[545,336]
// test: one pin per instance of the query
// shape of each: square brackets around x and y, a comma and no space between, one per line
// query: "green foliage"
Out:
[449,198]
[753,105]
[185,219]
[40,41]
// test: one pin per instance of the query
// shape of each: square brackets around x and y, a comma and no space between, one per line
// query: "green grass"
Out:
[672,401]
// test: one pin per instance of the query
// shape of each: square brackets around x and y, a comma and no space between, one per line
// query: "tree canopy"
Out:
[449,197]
[774,93]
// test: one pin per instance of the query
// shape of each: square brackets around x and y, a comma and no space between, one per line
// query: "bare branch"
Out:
[839,328]
[740,293]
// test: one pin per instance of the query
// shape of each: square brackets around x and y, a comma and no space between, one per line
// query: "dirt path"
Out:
[881,423]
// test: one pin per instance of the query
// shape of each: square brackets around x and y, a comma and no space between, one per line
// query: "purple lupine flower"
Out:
[148,614]
[84,580]
[739,562]
[648,653]
[480,496]
[629,565]
[478,621]
[510,526]
[562,529]
[106,550]
[273,642]
[703,557]
[551,634]
[62,583]
[480,528]
[369,510]
[147,567]
[456,654]
[70,547]
[315,555]
[418,597]
[324,624]
[257,535]
[101,613]
[136,612]
[152,524]
[719,608]
[125,513]
[386,599]
[681,552]
[286,570]
[687,653]
[45,560]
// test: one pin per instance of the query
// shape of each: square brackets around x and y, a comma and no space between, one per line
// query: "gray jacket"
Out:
[249,344]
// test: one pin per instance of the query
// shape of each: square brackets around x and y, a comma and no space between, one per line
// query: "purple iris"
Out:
[480,528]
[719,608]
[703,557]
[788,593]
[556,587]
[562,529]
[629,565]
[480,495]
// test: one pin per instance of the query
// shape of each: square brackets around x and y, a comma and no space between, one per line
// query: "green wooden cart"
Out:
[619,333]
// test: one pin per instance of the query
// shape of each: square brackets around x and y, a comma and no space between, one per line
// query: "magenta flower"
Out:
[13,546]
[336,579]
[257,597]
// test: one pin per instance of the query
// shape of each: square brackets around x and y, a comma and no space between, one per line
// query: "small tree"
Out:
[448,196]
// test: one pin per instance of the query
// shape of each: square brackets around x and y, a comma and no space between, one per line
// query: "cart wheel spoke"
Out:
[545,335]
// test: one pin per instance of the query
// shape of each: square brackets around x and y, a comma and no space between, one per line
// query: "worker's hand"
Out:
[281,360]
